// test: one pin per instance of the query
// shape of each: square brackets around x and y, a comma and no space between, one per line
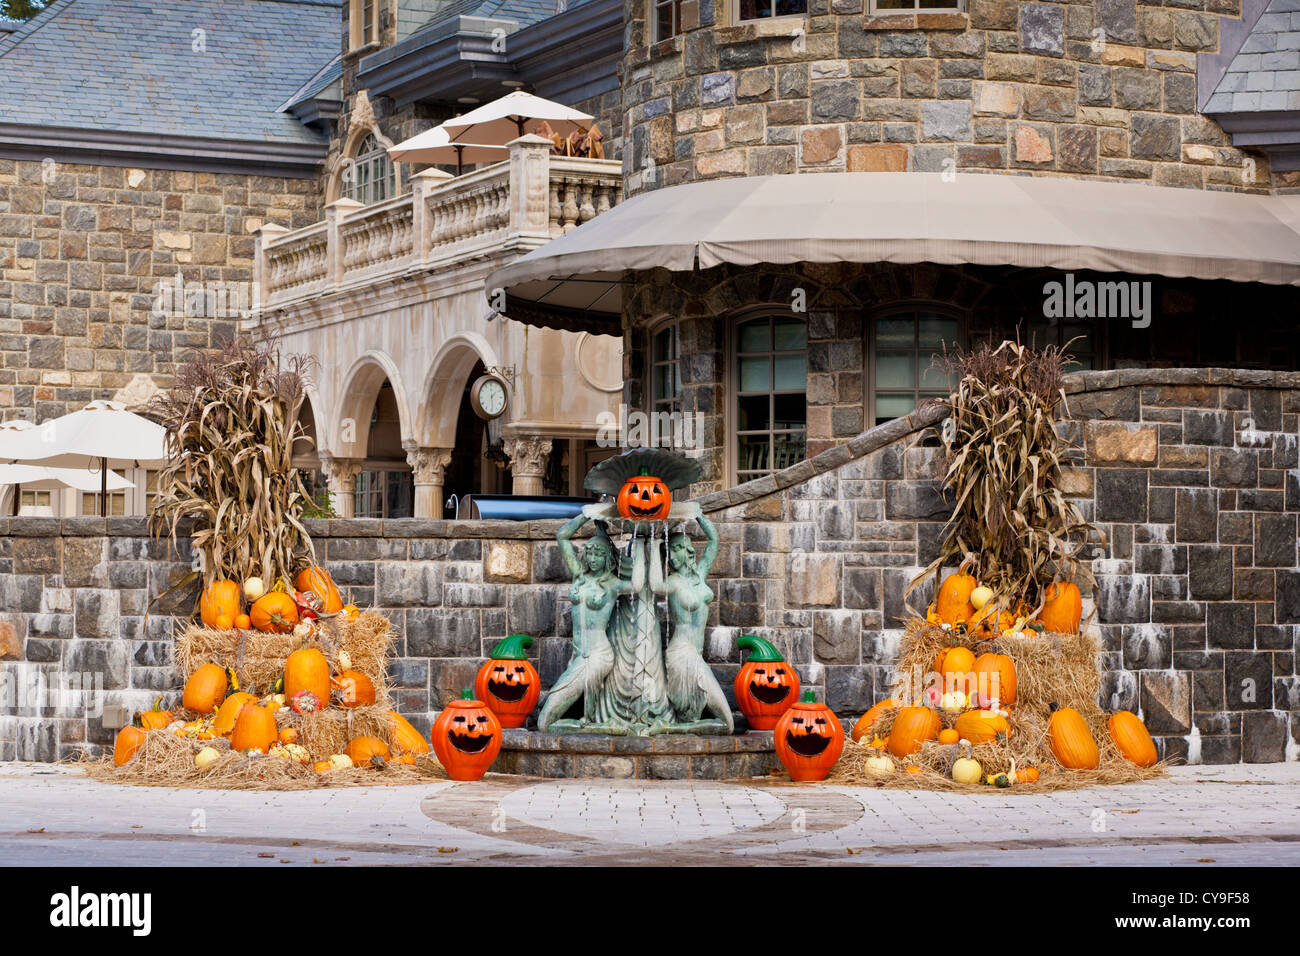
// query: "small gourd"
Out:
[967,769]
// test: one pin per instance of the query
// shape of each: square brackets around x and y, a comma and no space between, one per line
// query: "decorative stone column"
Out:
[528,455]
[428,465]
[341,473]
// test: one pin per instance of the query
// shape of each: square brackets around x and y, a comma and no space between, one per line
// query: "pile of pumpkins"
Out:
[278,611]
[966,606]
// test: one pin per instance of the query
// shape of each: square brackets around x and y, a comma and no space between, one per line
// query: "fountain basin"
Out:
[666,757]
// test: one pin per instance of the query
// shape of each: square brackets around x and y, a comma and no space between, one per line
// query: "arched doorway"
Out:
[478,463]
[384,486]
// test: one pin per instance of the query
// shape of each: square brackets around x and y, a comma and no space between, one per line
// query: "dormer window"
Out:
[368,176]
[363,23]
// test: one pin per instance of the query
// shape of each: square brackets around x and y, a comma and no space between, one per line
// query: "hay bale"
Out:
[1050,668]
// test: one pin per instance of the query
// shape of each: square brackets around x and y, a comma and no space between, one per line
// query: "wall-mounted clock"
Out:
[487,396]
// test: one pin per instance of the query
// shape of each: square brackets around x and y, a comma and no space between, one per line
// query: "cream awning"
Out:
[576,281]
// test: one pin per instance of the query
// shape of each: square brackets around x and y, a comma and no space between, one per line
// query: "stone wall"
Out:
[82,251]
[1085,89]
[1193,475]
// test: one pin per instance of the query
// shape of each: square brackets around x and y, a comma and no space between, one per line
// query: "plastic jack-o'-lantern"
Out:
[466,737]
[766,686]
[508,683]
[809,739]
[644,498]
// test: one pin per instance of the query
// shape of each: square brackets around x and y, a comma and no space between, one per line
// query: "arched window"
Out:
[368,175]
[771,383]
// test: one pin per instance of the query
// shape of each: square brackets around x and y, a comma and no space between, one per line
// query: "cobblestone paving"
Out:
[1238,815]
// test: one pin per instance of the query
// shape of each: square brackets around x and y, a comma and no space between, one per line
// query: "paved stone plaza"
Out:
[1234,815]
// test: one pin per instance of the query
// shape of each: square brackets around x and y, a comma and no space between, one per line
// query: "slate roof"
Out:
[1264,75]
[129,66]
[329,75]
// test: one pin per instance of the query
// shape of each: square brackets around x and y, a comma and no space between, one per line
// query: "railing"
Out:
[508,207]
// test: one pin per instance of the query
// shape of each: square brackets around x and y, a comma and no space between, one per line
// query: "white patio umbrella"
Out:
[502,120]
[436,146]
[102,433]
[41,478]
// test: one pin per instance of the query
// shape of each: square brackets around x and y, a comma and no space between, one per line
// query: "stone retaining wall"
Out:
[1193,474]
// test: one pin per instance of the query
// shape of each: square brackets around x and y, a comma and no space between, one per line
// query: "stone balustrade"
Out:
[509,207]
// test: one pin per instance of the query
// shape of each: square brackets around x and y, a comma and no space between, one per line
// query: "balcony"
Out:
[500,212]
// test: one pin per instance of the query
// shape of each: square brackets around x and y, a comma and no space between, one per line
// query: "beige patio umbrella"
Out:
[436,146]
[41,478]
[102,434]
[502,120]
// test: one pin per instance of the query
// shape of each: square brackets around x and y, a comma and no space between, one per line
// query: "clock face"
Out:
[491,395]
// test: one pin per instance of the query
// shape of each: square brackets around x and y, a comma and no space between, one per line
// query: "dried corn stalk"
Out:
[1011,525]
[232,417]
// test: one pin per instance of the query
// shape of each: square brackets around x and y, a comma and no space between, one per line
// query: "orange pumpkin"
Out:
[358,690]
[318,582]
[466,737]
[912,727]
[228,713]
[205,689]
[361,749]
[307,669]
[243,622]
[988,622]
[351,612]
[868,720]
[157,718]
[766,686]
[129,740]
[1062,608]
[644,498]
[274,612]
[809,739]
[404,736]
[955,665]
[949,736]
[1027,775]
[1071,739]
[952,604]
[289,735]
[996,677]
[981,726]
[219,605]
[508,683]
[254,729]
[1132,738]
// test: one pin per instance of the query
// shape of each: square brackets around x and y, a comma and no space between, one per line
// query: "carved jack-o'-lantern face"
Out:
[508,683]
[644,498]
[766,685]
[809,739]
[466,738]
[508,680]
[771,683]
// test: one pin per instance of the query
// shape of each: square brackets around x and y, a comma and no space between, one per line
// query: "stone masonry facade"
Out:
[1088,89]
[83,250]
[1192,474]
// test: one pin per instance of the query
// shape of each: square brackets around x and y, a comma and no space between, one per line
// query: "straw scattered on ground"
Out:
[1060,668]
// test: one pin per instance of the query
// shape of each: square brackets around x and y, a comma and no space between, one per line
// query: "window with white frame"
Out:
[771,404]
[363,23]
[667,20]
[368,175]
[903,346]
[34,499]
[766,9]
[887,7]
[384,494]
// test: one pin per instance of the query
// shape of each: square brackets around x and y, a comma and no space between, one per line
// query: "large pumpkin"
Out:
[953,601]
[205,689]
[955,665]
[1062,608]
[644,498]
[1132,738]
[404,736]
[809,739]
[912,727]
[307,669]
[219,605]
[981,726]
[356,689]
[1072,742]
[868,720]
[274,612]
[254,729]
[318,582]
[466,738]
[129,740]
[229,711]
[361,749]
[766,686]
[995,677]
[507,682]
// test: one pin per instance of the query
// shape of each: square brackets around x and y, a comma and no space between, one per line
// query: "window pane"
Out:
[895,332]
[755,374]
[789,449]
[896,370]
[789,334]
[754,453]
[934,331]
[933,377]
[753,413]
[664,349]
[790,411]
[785,8]
[791,372]
[893,406]
[664,382]
[756,336]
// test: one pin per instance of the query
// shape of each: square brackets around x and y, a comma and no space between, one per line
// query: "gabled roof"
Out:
[1265,72]
[95,74]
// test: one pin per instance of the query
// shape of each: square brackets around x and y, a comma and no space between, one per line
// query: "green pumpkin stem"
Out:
[761,650]
[512,648]
[809,697]
[467,694]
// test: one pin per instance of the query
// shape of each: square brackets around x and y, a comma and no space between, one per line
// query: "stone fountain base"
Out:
[667,757]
